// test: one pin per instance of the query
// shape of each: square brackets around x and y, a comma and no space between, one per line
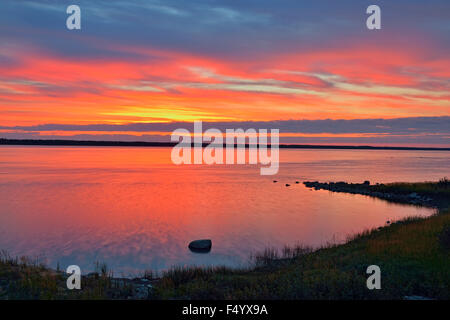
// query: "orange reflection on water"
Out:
[134,209]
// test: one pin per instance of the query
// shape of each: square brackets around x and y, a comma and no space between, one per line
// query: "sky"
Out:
[139,69]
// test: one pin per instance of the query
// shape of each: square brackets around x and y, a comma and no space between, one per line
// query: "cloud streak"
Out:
[386,126]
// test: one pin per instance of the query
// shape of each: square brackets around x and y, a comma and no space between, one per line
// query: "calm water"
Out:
[133,209]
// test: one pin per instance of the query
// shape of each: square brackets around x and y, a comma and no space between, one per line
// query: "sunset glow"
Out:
[49,75]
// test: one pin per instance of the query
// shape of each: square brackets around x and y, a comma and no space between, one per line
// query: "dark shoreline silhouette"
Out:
[61,142]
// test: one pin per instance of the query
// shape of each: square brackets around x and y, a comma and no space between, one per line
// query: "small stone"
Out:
[203,245]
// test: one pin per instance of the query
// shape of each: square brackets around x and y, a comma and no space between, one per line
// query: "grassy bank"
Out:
[413,254]
[22,278]
[412,258]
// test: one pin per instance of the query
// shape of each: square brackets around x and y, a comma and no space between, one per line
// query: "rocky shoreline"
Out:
[378,190]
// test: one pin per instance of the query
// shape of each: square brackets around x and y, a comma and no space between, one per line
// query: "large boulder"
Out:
[203,245]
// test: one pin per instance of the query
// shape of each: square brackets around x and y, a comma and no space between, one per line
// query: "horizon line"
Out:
[63,142]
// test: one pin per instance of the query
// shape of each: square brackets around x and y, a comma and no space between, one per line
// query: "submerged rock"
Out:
[203,245]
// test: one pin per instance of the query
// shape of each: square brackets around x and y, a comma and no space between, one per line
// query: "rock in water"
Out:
[203,245]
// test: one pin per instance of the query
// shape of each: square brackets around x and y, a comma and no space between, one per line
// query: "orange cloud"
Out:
[350,83]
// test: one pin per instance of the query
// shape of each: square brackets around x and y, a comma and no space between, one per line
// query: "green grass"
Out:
[22,278]
[440,189]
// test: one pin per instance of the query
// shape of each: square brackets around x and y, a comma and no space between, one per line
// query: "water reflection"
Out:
[135,210]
